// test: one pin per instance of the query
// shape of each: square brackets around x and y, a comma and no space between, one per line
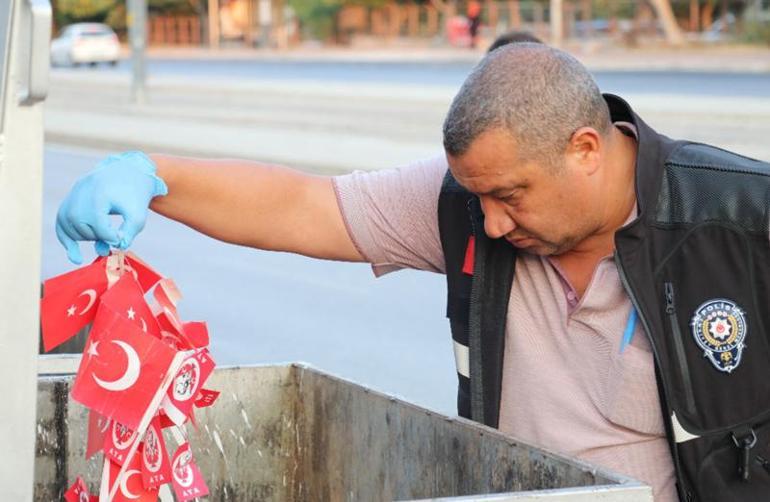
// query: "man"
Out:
[592,211]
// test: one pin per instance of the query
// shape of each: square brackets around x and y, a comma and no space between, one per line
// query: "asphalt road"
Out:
[446,73]
[263,307]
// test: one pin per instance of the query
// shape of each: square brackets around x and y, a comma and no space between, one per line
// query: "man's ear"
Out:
[584,148]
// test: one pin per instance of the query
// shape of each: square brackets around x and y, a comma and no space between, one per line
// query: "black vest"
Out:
[695,264]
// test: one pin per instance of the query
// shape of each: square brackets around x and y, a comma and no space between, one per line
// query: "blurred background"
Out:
[286,24]
[330,86]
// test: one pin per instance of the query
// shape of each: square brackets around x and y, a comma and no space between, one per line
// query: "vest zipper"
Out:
[689,398]
[475,363]
[647,331]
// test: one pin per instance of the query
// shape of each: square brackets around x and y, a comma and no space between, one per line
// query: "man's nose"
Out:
[497,222]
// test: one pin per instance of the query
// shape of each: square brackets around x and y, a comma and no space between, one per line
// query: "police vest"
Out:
[696,266]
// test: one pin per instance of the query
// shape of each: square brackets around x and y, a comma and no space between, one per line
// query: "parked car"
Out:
[85,43]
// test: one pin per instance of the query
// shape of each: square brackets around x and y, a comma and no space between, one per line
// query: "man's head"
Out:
[513,37]
[526,133]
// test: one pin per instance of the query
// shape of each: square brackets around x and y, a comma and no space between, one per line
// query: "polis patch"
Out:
[719,328]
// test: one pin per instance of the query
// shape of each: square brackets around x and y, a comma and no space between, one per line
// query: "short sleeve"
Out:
[392,215]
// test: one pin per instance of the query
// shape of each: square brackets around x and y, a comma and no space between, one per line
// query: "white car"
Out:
[85,43]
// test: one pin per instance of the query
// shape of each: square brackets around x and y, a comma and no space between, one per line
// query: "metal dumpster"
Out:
[293,433]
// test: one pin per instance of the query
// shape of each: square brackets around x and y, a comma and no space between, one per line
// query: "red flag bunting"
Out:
[97,430]
[191,376]
[118,442]
[78,492]
[143,273]
[129,488]
[126,377]
[125,297]
[197,333]
[121,370]
[156,467]
[69,303]
[187,480]
[206,398]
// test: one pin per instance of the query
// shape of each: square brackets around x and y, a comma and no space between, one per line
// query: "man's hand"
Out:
[122,184]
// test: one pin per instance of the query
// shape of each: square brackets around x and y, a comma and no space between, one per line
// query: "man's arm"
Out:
[245,203]
[256,205]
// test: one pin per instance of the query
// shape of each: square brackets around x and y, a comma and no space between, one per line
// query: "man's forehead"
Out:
[483,179]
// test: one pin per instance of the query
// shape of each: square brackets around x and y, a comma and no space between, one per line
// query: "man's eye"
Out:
[511,197]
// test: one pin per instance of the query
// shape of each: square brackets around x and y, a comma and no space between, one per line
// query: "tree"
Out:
[317,17]
[666,16]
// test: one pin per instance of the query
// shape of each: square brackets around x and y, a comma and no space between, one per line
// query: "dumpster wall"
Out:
[283,433]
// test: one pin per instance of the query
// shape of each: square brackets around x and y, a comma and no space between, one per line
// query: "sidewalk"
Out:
[339,127]
[595,55]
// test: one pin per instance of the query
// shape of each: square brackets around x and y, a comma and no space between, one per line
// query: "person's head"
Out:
[513,37]
[527,133]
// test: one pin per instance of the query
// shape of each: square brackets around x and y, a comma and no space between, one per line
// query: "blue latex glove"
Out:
[122,184]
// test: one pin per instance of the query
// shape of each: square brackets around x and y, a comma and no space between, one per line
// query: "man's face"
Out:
[545,210]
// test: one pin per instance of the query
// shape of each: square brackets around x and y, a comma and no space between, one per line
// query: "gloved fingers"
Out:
[133,223]
[72,247]
[84,231]
[102,248]
[103,229]
[64,221]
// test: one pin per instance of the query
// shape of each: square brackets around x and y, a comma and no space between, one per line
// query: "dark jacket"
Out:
[695,265]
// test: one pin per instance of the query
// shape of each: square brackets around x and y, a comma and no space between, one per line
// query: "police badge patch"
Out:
[719,328]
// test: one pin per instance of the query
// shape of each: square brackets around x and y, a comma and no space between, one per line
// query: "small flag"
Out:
[187,480]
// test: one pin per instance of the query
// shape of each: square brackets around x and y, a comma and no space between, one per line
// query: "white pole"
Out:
[25,33]
[557,23]
[137,34]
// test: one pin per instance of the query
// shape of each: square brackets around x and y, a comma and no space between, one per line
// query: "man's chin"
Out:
[533,246]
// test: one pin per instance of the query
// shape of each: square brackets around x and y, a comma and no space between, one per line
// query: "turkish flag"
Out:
[97,429]
[206,398]
[142,272]
[187,480]
[122,369]
[127,486]
[118,442]
[78,492]
[179,399]
[126,297]
[54,283]
[197,333]
[156,467]
[69,303]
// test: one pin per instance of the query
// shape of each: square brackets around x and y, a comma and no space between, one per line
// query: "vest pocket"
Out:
[719,476]
[713,348]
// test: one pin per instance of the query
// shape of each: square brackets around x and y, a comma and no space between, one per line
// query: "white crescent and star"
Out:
[91,300]
[131,374]
[92,349]
[124,481]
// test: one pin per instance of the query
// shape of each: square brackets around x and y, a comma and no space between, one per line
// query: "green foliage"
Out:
[606,9]
[317,16]
[757,32]
[74,11]
[113,12]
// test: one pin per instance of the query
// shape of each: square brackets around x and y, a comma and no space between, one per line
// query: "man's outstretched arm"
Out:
[246,203]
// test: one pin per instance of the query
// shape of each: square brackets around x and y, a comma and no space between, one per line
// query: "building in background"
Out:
[285,23]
